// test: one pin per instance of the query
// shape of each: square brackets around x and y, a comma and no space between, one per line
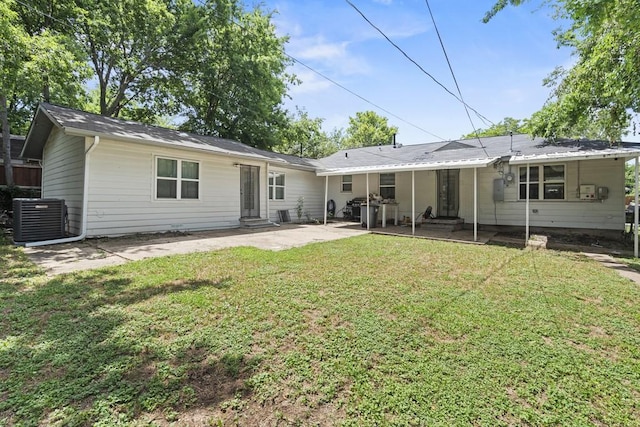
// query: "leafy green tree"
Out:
[501,128]
[221,68]
[304,137]
[236,78]
[33,67]
[600,94]
[131,46]
[367,129]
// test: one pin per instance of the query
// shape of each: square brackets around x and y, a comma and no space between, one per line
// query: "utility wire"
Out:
[414,62]
[466,109]
[362,98]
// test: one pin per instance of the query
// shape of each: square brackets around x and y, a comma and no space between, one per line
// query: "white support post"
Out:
[326,195]
[368,203]
[635,214]
[475,204]
[268,172]
[526,233]
[413,203]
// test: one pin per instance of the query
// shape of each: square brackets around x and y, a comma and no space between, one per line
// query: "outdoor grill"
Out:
[354,206]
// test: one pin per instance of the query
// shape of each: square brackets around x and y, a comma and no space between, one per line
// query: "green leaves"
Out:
[599,95]
[368,129]
[235,84]
[503,127]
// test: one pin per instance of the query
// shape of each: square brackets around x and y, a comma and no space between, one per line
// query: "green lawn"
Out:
[367,331]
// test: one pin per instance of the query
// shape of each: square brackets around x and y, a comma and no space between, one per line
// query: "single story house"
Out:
[26,172]
[120,177]
[573,184]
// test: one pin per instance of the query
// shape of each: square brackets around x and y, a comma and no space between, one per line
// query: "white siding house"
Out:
[143,179]
[119,177]
[484,181]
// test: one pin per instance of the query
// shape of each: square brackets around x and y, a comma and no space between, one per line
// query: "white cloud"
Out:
[311,83]
[333,58]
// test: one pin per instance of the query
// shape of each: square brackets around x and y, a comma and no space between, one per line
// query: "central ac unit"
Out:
[38,219]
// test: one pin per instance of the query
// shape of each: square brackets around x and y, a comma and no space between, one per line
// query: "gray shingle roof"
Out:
[83,123]
[448,154]
[471,151]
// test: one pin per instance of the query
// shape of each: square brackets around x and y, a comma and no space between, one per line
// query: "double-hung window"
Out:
[547,182]
[347,183]
[388,185]
[177,179]
[276,186]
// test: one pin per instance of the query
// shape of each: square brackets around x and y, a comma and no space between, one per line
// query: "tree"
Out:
[33,67]
[367,129]
[218,66]
[600,94]
[304,137]
[236,78]
[501,128]
[131,46]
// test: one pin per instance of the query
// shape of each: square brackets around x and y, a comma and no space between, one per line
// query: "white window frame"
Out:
[273,186]
[542,181]
[178,179]
[346,186]
[381,186]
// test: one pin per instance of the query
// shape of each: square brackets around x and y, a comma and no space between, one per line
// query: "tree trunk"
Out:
[6,141]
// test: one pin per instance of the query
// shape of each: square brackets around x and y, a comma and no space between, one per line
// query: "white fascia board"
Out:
[461,164]
[571,156]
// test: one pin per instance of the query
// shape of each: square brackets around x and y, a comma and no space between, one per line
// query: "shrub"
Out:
[7,194]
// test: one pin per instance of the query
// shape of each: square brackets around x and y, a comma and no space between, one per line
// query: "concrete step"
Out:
[454,224]
[256,223]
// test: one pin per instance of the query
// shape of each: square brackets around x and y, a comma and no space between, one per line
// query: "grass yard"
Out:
[367,331]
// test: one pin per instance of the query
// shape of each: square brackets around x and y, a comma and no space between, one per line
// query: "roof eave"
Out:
[30,151]
[204,149]
[476,163]
[560,157]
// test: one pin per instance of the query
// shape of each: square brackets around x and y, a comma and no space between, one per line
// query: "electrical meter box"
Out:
[587,192]
[603,193]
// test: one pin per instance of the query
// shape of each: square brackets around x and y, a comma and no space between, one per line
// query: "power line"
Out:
[414,62]
[466,109]
[362,98]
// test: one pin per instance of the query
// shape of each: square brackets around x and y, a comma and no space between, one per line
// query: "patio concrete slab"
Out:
[97,253]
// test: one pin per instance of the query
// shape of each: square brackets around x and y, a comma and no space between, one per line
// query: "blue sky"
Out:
[499,66]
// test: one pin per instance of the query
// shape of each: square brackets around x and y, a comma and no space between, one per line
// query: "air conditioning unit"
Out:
[38,219]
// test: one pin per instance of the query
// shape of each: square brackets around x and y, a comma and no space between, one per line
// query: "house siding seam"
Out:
[63,174]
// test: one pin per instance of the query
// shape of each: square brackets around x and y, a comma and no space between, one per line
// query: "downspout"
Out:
[85,203]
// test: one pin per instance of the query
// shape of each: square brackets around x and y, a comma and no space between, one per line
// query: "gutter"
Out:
[85,203]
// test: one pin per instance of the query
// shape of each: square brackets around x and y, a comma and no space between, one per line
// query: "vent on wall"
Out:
[38,219]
